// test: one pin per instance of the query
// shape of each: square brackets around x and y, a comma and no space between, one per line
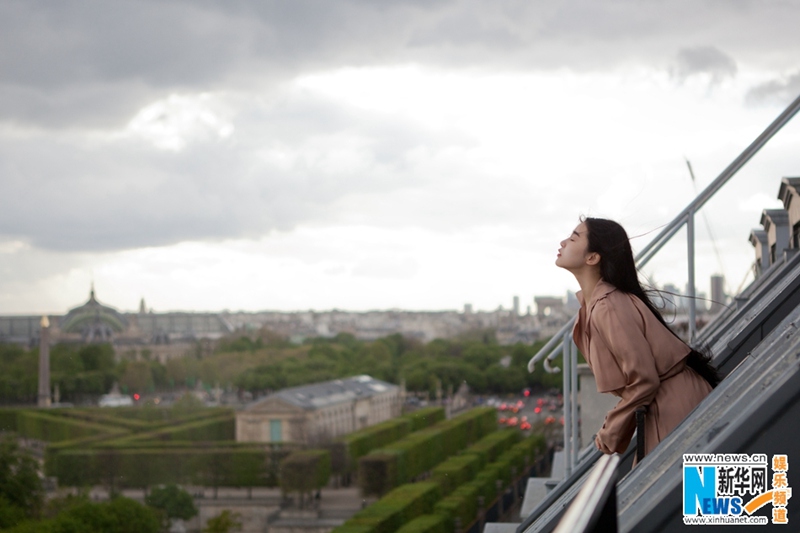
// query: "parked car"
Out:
[115,400]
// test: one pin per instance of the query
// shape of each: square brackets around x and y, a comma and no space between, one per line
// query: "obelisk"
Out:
[44,363]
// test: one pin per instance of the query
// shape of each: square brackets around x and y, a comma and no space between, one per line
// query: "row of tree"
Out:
[263,362]
[24,509]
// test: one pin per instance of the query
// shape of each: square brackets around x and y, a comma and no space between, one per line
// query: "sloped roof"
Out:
[785,192]
[327,393]
[778,217]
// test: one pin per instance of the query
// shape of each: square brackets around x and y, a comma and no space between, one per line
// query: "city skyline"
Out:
[514,304]
[406,155]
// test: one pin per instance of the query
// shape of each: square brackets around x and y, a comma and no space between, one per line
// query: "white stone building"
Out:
[315,414]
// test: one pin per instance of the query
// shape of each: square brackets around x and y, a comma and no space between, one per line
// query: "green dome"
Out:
[94,321]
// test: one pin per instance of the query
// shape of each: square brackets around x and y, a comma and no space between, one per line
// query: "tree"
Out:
[173,502]
[78,514]
[225,522]
[188,403]
[159,373]
[97,357]
[21,491]
[305,471]
[137,376]
[481,355]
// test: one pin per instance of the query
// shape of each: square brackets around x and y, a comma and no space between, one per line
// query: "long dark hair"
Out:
[617,267]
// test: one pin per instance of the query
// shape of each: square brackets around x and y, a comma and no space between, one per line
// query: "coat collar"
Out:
[601,290]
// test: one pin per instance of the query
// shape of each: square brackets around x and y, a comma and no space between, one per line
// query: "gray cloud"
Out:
[73,69]
[779,91]
[88,62]
[274,173]
[707,60]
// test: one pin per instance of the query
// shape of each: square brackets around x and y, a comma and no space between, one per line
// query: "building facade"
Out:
[318,413]
[161,336]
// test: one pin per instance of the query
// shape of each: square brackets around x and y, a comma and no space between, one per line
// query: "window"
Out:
[275,434]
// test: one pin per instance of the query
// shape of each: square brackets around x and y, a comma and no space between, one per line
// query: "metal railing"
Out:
[594,509]
[562,341]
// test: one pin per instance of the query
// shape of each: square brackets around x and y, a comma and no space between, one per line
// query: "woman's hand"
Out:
[602,447]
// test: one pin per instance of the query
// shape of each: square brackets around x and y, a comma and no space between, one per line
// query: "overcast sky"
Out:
[209,155]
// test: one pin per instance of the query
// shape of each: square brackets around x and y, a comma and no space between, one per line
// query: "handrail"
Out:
[555,345]
[726,174]
[649,251]
[595,507]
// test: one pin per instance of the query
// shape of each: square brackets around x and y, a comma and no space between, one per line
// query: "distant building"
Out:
[162,335]
[758,238]
[790,196]
[551,314]
[547,306]
[718,297]
[674,300]
[317,413]
[781,227]
[776,225]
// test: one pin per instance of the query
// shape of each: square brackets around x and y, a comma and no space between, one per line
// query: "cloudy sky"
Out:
[208,155]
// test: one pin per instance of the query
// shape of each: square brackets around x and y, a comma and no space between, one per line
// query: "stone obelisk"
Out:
[44,364]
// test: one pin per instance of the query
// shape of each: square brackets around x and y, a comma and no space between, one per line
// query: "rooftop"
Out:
[332,392]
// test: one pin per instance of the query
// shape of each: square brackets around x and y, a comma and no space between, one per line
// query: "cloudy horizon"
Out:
[353,155]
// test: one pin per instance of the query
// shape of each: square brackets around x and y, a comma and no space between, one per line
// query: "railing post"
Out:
[500,511]
[691,292]
[574,411]
[481,512]
[514,483]
[567,381]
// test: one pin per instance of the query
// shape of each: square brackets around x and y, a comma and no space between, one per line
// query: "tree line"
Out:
[262,362]
[25,509]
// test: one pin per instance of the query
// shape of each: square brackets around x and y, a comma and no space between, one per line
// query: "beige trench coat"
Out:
[636,358]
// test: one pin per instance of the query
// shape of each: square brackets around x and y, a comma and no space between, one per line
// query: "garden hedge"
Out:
[489,448]
[218,428]
[105,416]
[397,508]
[235,466]
[47,426]
[456,471]
[395,513]
[460,469]
[422,450]
[305,470]
[354,528]
[425,417]
[8,419]
[428,523]
[461,504]
[346,452]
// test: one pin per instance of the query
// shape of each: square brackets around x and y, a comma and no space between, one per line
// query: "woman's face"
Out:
[574,249]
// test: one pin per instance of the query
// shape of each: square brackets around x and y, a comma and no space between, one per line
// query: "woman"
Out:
[625,340]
